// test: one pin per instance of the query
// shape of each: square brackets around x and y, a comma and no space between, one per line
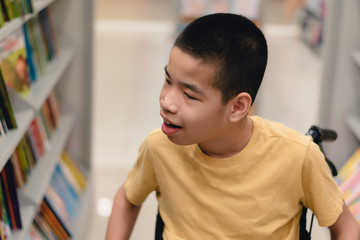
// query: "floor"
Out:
[132,41]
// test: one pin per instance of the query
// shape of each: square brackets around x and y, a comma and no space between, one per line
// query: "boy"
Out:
[217,173]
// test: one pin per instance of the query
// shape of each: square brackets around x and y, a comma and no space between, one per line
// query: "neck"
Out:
[231,141]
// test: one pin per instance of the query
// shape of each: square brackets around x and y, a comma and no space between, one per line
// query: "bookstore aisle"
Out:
[131,50]
[45,93]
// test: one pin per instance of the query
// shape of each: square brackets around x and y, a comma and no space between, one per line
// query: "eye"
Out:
[167,81]
[189,96]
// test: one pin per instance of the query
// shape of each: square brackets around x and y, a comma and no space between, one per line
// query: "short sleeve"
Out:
[321,192]
[141,178]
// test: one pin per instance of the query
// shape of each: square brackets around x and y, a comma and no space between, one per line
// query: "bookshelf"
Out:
[340,96]
[311,21]
[9,143]
[70,76]
[18,22]
[356,57]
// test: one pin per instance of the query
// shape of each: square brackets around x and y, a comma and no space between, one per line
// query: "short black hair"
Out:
[235,45]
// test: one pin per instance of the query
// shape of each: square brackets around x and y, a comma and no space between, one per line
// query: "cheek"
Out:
[200,119]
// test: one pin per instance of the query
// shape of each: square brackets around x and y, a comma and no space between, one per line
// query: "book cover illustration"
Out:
[14,62]
[349,182]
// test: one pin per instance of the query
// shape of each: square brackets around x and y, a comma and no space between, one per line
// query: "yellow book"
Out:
[75,170]
[349,167]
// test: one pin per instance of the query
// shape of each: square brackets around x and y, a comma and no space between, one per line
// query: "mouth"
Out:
[171,125]
[169,128]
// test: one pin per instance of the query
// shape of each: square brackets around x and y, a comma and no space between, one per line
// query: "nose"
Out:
[168,105]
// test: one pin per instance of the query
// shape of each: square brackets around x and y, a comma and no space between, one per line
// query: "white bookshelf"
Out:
[42,172]
[353,119]
[11,26]
[70,75]
[79,229]
[43,86]
[27,215]
[340,105]
[356,57]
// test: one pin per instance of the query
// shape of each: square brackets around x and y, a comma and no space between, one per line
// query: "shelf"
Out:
[356,57]
[43,86]
[16,23]
[354,124]
[27,216]
[353,119]
[72,21]
[79,228]
[40,177]
[10,141]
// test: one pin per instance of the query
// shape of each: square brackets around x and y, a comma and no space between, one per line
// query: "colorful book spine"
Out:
[349,182]
[11,201]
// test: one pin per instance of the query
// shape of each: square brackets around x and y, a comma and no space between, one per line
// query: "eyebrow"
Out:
[190,86]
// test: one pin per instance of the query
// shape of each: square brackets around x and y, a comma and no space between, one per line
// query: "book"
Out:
[11,200]
[38,50]
[58,205]
[44,227]
[19,176]
[64,189]
[48,34]
[9,170]
[13,62]
[34,233]
[5,219]
[3,127]
[54,221]
[349,182]
[54,107]
[2,19]
[30,58]
[4,11]
[349,167]
[36,139]
[42,130]
[5,105]
[75,169]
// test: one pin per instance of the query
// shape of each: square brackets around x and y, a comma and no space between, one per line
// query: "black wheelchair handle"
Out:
[321,134]
[332,167]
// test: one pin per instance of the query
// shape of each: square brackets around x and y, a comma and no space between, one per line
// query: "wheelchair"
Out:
[318,135]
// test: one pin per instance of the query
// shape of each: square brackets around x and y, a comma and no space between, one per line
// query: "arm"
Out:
[123,217]
[345,227]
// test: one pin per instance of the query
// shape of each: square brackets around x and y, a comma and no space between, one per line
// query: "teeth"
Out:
[171,124]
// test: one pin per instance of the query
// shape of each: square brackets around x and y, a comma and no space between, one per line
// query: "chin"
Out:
[178,141]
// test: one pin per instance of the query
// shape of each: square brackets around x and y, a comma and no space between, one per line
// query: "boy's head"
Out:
[235,47]
[214,72]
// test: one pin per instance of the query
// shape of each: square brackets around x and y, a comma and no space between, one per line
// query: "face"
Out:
[191,108]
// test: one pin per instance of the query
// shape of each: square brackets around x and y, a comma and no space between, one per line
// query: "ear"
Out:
[240,106]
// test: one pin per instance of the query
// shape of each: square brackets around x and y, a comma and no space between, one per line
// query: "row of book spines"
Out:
[40,43]
[66,170]
[10,212]
[60,201]
[41,47]
[11,9]
[33,46]
[35,142]
[349,182]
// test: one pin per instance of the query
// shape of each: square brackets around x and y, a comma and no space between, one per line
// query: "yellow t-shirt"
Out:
[257,194]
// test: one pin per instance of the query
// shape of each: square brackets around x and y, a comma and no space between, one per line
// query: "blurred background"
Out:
[132,42]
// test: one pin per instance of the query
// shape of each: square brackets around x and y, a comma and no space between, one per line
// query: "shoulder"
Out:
[276,131]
